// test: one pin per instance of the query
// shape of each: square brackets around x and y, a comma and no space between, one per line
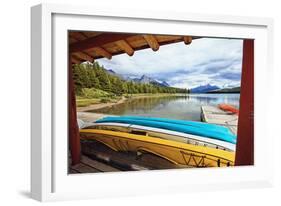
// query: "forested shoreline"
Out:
[93,81]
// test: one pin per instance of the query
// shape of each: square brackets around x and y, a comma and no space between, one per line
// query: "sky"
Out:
[205,61]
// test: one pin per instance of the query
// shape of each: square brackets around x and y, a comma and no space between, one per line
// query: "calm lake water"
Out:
[176,107]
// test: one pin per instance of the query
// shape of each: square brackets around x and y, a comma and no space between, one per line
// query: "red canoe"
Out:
[229,108]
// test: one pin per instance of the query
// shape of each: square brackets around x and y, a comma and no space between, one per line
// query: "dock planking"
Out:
[90,116]
[88,165]
[214,115]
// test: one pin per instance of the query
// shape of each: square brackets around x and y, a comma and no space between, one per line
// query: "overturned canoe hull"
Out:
[188,127]
[165,134]
[175,152]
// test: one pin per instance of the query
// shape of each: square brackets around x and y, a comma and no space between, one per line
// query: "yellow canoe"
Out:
[164,134]
[175,152]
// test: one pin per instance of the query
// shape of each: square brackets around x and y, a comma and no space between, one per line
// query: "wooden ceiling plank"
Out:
[164,38]
[126,47]
[72,40]
[117,51]
[83,56]
[187,40]
[78,35]
[97,41]
[91,33]
[152,42]
[102,52]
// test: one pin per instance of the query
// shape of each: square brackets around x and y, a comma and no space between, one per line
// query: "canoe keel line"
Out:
[175,152]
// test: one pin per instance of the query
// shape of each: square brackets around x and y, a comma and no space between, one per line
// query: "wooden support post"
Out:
[73,130]
[245,136]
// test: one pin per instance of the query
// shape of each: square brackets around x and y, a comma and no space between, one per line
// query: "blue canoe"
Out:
[182,122]
[189,127]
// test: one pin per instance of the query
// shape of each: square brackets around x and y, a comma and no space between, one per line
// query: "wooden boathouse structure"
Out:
[88,46]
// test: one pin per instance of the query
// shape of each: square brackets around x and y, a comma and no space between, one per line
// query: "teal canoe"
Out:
[188,127]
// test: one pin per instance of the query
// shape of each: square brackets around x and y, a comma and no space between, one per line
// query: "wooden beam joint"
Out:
[152,42]
[83,56]
[99,51]
[125,46]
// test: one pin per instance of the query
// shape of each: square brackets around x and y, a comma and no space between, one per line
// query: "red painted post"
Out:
[73,130]
[245,134]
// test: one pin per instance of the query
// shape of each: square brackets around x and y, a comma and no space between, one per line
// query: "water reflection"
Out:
[186,107]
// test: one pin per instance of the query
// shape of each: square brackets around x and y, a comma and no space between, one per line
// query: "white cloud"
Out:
[184,66]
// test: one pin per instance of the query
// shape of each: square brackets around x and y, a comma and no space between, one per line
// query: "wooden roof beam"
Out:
[79,36]
[97,41]
[75,60]
[102,52]
[125,46]
[83,56]
[152,42]
[187,40]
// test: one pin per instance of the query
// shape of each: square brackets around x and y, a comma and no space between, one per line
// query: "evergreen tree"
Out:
[96,76]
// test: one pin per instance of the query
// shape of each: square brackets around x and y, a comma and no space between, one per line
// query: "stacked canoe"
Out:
[181,142]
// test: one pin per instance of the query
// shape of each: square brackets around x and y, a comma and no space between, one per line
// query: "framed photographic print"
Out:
[135,102]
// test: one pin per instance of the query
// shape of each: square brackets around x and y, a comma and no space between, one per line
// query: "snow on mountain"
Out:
[229,86]
[148,80]
[204,88]
[144,79]
[165,84]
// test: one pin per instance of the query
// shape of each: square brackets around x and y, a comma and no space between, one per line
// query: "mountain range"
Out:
[207,88]
[144,79]
[226,90]
[204,88]
[148,80]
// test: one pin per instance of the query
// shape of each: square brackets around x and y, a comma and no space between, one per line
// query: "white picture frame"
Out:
[49,178]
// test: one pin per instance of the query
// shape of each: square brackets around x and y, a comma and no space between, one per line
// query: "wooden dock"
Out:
[88,165]
[214,115]
[90,116]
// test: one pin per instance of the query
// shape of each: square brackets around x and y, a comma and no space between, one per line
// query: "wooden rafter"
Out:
[187,40]
[103,45]
[91,34]
[74,60]
[72,40]
[152,42]
[125,46]
[97,41]
[83,56]
[79,36]
[100,52]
